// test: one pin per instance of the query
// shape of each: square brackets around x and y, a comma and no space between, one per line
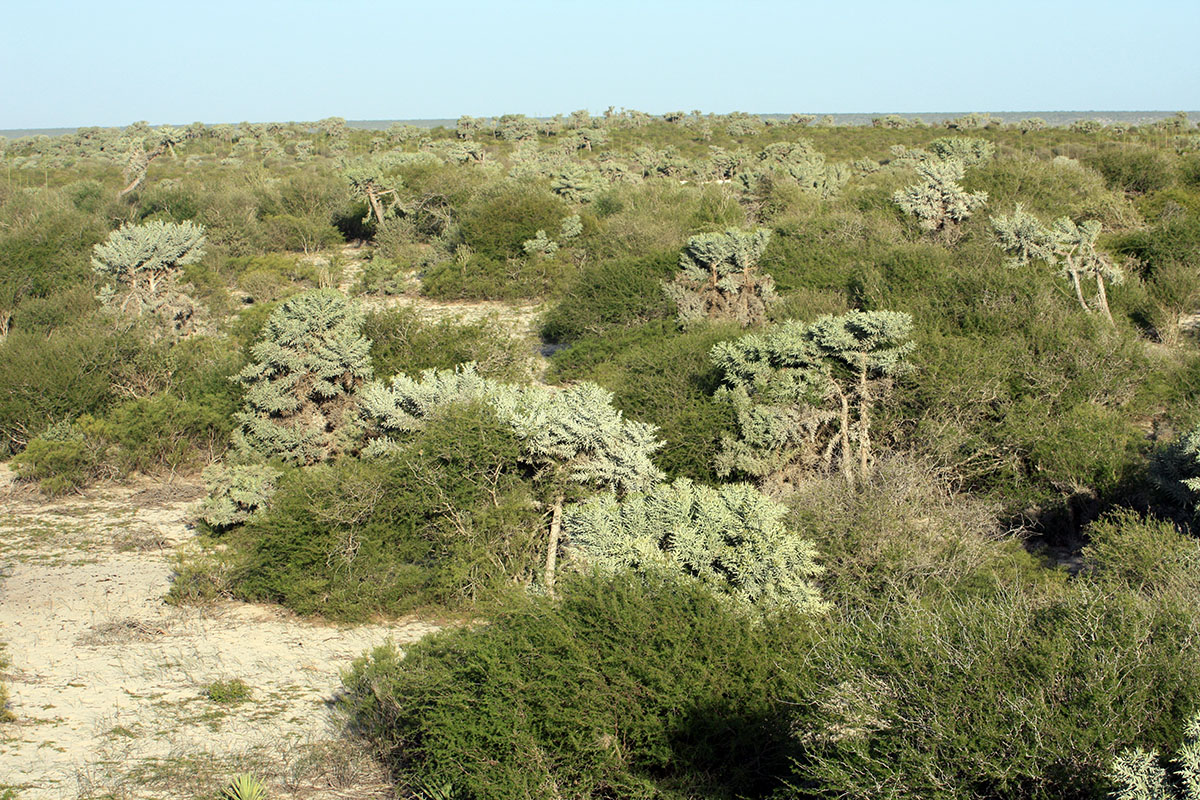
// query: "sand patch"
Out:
[109,683]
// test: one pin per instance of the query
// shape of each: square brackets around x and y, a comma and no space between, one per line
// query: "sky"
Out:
[67,64]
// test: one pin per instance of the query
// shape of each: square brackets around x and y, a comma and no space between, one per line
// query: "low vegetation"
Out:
[863,462]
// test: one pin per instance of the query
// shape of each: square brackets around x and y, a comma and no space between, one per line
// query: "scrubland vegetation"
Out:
[865,463]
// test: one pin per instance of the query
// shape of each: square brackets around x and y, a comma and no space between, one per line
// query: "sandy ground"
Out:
[108,682]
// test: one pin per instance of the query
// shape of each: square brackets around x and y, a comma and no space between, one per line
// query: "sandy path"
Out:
[108,681]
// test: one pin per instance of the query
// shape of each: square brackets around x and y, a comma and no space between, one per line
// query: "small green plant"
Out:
[228,692]
[244,787]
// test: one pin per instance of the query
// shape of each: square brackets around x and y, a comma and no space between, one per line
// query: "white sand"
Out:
[107,680]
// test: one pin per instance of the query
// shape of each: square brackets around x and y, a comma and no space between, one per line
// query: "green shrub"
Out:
[444,521]
[612,294]
[59,376]
[496,224]
[1014,694]
[482,277]
[630,687]
[162,433]
[382,276]
[664,377]
[401,341]
[1133,168]
[62,459]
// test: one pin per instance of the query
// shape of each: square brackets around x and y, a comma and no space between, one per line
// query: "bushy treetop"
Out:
[731,538]
[135,253]
[300,388]
[939,201]
[576,428]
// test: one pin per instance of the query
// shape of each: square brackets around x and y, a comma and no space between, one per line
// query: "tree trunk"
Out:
[864,419]
[1103,295]
[552,547]
[373,199]
[1074,273]
[132,184]
[844,435]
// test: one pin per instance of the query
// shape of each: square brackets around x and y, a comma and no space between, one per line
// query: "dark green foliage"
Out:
[62,459]
[612,294]
[58,376]
[401,341]
[497,223]
[482,278]
[1133,168]
[631,687]
[443,522]
[45,248]
[1014,694]
[661,376]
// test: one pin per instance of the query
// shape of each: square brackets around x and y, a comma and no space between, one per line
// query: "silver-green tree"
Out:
[571,438]
[138,157]
[301,389]
[802,394]
[1064,243]
[731,538]
[236,492]
[967,150]
[719,278]
[939,202]
[368,179]
[794,162]
[871,345]
[790,415]
[139,263]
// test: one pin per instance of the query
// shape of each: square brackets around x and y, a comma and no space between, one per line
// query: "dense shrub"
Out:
[631,687]
[612,294]
[664,377]
[479,277]
[61,459]
[1133,168]
[497,223]
[444,521]
[58,376]
[401,341]
[1014,694]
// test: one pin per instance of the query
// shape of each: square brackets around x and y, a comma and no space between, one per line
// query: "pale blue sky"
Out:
[110,63]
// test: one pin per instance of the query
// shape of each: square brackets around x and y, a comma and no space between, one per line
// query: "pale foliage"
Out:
[731,538]
[719,278]
[1064,243]
[1139,775]
[300,389]
[938,201]
[235,493]
[141,264]
[802,394]
[575,430]
[795,162]
[140,260]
